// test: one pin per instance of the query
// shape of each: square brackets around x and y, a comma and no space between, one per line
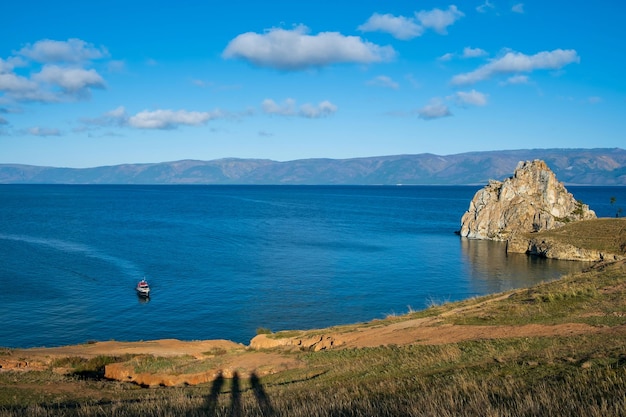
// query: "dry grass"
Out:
[593,297]
[525,376]
[582,375]
[606,235]
[513,376]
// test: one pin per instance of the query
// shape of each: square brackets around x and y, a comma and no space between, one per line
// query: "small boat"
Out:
[143,289]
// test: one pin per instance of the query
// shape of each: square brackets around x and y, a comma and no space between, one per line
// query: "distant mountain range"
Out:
[571,166]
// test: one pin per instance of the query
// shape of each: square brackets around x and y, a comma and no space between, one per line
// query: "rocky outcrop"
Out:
[125,373]
[311,343]
[531,200]
[556,249]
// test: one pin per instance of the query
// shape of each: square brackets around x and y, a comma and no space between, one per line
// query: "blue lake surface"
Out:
[223,261]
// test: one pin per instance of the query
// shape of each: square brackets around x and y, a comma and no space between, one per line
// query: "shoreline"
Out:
[267,354]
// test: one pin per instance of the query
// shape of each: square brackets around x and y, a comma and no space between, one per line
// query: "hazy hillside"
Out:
[572,166]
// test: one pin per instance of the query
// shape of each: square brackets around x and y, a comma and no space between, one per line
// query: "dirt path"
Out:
[257,357]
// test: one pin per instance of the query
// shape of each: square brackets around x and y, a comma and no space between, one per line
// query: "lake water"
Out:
[223,261]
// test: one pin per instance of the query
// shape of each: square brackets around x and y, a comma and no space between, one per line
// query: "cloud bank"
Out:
[59,71]
[296,49]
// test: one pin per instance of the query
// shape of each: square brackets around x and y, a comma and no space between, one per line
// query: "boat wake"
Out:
[124,265]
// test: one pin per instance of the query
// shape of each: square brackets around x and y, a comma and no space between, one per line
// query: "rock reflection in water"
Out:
[490,269]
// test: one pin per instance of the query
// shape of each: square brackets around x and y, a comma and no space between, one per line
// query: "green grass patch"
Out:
[263,330]
[605,235]
[216,351]
[92,368]
[175,365]
[286,334]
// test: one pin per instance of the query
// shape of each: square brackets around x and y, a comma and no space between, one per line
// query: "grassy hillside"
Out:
[556,349]
[605,235]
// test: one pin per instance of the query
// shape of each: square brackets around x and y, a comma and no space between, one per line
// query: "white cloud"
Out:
[115,117]
[288,108]
[323,109]
[438,19]
[594,100]
[170,119]
[73,50]
[513,62]
[384,81]
[154,119]
[485,6]
[473,52]
[405,28]
[472,97]
[42,131]
[399,27]
[13,83]
[434,110]
[517,79]
[7,65]
[70,79]
[297,50]
[518,8]
[59,72]
[467,53]
[117,113]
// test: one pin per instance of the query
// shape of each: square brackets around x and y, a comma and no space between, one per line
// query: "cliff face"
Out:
[531,200]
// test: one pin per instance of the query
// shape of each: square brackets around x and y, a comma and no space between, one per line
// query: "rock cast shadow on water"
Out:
[490,269]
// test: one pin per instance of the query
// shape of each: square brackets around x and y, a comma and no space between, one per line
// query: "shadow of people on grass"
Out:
[211,401]
[235,397]
[261,396]
[236,407]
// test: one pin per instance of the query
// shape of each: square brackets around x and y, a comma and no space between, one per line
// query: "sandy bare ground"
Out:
[268,355]
[164,347]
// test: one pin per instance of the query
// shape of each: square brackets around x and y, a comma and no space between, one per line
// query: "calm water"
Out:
[225,260]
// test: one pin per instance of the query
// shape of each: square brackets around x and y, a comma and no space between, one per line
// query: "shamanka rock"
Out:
[531,200]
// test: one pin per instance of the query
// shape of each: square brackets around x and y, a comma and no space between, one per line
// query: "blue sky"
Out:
[90,83]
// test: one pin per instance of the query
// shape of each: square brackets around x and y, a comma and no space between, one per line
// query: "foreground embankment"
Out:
[553,349]
[557,347]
